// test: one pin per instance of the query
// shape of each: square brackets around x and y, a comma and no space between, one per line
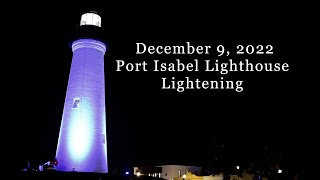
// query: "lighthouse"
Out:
[82,143]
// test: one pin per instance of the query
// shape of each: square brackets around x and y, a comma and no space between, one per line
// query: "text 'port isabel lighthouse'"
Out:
[82,144]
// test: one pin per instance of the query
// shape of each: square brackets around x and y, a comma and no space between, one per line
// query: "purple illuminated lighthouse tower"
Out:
[82,144]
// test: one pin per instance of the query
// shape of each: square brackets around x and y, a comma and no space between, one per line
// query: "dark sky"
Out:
[145,123]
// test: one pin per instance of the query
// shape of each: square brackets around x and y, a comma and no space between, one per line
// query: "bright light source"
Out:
[184,176]
[90,19]
[238,167]
[279,171]
[138,174]
[127,172]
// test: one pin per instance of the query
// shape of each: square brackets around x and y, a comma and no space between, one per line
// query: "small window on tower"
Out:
[76,103]
[103,138]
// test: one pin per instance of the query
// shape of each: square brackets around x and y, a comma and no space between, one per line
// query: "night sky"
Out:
[148,125]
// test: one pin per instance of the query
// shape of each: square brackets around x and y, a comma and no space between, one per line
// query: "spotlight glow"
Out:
[81,136]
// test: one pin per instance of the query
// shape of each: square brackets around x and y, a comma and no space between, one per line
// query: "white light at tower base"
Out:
[184,176]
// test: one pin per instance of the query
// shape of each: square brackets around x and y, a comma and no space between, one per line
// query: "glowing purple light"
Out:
[82,140]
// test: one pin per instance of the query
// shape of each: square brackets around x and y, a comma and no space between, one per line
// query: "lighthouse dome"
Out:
[90,18]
